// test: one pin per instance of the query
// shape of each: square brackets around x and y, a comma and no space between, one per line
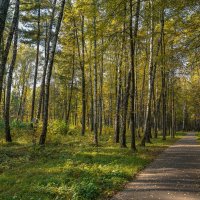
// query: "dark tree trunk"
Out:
[152,74]
[147,125]
[24,105]
[95,81]
[22,94]
[125,102]
[164,87]
[7,47]
[91,102]
[83,79]
[4,4]
[118,104]
[125,110]
[36,63]
[119,88]
[173,113]
[133,37]
[50,67]
[71,89]
[142,112]
[81,55]
[10,75]
[49,36]
[101,92]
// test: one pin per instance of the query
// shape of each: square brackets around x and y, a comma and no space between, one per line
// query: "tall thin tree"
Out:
[49,73]
[36,62]
[10,76]
[133,38]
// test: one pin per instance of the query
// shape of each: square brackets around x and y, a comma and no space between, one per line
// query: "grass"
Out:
[198,137]
[70,167]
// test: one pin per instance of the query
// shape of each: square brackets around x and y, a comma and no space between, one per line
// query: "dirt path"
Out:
[175,174]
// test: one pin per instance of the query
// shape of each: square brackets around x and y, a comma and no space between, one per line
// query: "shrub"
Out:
[20,125]
[1,125]
[85,190]
[58,127]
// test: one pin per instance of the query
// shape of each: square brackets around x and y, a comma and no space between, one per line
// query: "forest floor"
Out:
[70,166]
[175,174]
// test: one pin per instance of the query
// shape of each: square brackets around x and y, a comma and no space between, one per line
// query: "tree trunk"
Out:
[152,74]
[95,81]
[22,95]
[49,36]
[92,100]
[7,47]
[50,67]
[4,4]
[173,113]
[164,87]
[133,37]
[147,125]
[10,75]
[119,88]
[125,103]
[81,55]
[101,91]
[83,79]
[71,89]
[36,63]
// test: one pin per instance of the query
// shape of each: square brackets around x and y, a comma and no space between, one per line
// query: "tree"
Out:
[48,40]
[7,48]
[95,78]
[4,4]
[133,38]
[10,74]
[50,66]
[36,63]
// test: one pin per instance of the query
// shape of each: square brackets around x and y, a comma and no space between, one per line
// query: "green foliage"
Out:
[70,169]
[85,190]
[20,125]
[1,124]
[57,127]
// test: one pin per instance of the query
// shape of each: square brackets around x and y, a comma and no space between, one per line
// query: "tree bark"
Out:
[133,37]
[7,48]
[152,73]
[36,63]
[101,90]
[92,99]
[10,75]
[83,78]
[119,87]
[49,36]
[22,94]
[147,125]
[95,80]
[50,67]
[164,87]
[4,4]
[71,89]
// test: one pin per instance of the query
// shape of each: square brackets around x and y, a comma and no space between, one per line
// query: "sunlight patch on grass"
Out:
[71,169]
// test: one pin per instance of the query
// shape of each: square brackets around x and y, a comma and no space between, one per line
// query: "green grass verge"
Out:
[71,169]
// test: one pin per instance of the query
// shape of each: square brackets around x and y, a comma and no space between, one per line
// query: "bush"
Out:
[1,125]
[17,125]
[20,125]
[85,190]
[58,127]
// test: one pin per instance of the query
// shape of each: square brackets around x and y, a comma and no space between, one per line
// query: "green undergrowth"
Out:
[70,166]
[198,137]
